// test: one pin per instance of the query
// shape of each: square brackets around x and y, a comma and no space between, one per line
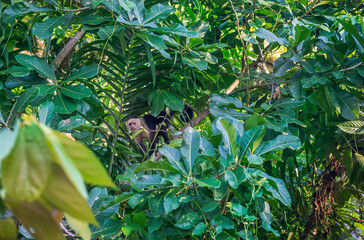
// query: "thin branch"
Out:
[67,48]
[10,115]
[350,68]
[75,10]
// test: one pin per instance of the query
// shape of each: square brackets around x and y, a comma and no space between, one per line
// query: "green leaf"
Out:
[157,12]
[190,147]
[281,142]
[250,138]
[34,217]
[172,101]
[271,37]
[195,63]
[188,221]
[301,33]
[282,65]
[156,204]
[85,72]
[38,64]
[171,200]
[45,29]
[199,229]
[345,103]
[58,192]
[238,210]
[16,71]
[64,104]
[282,193]
[353,31]
[19,9]
[228,136]
[108,31]
[207,148]
[76,91]
[174,157]
[81,227]
[46,113]
[158,166]
[226,100]
[360,159]
[117,199]
[235,176]
[352,127]
[255,160]
[295,86]
[8,229]
[208,182]
[222,222]
[25,99]
[157,105]
[177,29]
[85,160]
[210,205]
[26,170]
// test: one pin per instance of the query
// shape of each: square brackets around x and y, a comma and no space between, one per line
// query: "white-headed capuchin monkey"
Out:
[154,127]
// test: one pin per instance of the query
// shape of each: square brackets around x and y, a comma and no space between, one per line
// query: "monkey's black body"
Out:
[158,127]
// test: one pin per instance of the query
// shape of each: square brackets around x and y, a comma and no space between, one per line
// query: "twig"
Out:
[350,68]
[75,10]
[66,231]
[271,94]
[10,115]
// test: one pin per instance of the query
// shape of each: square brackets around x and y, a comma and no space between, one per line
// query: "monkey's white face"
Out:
[133,124]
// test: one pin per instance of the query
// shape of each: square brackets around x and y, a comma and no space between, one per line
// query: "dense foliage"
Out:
[275,149]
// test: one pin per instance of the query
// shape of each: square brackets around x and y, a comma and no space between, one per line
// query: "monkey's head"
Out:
[133,124]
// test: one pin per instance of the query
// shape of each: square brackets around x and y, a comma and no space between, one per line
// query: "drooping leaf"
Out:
[282,65]
[228,135]
[281,142]
[208,182]
[345,103]
[271,37]
[157,12]
[26,170]
[46,113]
[45,29]
[157,166]
[38,64]
[174,157]
[190,147]
[85,72]
[76,91]
[172,101]
[235,176]
[352,127]
[250,138]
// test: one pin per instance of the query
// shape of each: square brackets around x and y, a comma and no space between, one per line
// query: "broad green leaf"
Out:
[208,182]
[45,29]
[352,127]
[281,142]
[85,160]
[8,229]
[172,101]
[219,193]
[157,166]
[271,37]
[177,29]
[250,138]
[238,210]
[96,197]
[34,217]
[282,65]
[199,229]
[345,103]
[138,198]
[25,99]
[207,148]
[71,123]
[158,12]
[360,159]
[174,157]
[171,200]
[255,160]
[19,9]
[155,41]
[85,72]
[26,170]
[61,157]
[64,104]
[188,220]
[275,124]
[218,111]
[117,199]
[108,31]
[295,86]
[156,202]
[195,63]
[58,192]
[282,193]
[108,228]
[266,215]
[235,176]
[149,181]
[353,31]
[222,222]
[76,91]
[46,113]
[225,100]
[301,33]
[157,105]
[190,147]
[38,64]
[228,136]
[16,71]
[210,205]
